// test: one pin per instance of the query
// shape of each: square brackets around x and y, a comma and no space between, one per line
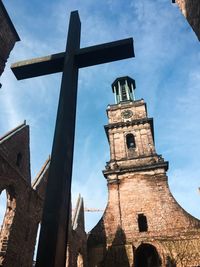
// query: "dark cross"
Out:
[55,219]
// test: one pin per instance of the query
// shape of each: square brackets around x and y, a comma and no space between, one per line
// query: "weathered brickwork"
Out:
[16,148]
[8,37]
[142,221]
[191,10]
[25,204]
[77,245]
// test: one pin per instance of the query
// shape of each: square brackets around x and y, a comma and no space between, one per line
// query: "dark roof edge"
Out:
[79,205]
[13,131]
[9,21]
[41,173]
[122,78]
[128,123]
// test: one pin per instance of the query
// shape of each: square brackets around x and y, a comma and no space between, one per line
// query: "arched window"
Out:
[123,92]
[2,206]
[80,260]
[19,159]
[9,193]
[142,223]
[36,241]
[130,141]
[147,255]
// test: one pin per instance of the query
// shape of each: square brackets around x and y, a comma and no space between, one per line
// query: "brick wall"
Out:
[24,205]
[142,217]
[19,229]
[16,148]
[171,230]
[191,10]
[77,238]
[8,37]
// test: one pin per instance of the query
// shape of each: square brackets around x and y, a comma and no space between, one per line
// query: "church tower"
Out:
[143,225]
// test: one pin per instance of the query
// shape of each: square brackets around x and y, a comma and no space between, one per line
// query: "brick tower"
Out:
[143,225]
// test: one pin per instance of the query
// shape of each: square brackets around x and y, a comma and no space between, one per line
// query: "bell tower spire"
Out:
[123,89]
[129,130]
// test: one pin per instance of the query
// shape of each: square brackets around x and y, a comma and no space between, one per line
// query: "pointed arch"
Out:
[8,218]
[19,159]
[130,141]
[142,223]
[3,197]
[146,255]
[80,260]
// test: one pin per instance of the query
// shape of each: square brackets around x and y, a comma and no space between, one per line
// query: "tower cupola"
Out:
[123,89]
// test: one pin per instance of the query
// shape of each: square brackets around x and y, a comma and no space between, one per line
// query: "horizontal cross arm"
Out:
[38,66]
[85,57]
[105,53]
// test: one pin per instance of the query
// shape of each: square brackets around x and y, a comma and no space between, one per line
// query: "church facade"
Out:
[143,225]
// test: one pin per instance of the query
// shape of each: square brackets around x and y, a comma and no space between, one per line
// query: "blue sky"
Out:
[165,69]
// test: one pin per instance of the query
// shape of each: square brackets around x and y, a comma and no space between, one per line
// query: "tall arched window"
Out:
[19,159]
[147,255]
[80,260]
[36,241]
[142,223]
[2,206]
[8,219]
[130,141]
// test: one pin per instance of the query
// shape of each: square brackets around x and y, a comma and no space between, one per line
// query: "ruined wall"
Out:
[19,229]
[191,10]
[24,205]
[77,241]
[77,248]
[115,239]
[8,36]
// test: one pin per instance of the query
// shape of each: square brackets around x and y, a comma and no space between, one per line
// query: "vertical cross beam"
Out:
[55,219]
[54,228]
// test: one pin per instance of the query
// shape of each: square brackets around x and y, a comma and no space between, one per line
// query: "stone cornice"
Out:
[127,104]
[130,123]
[123,170]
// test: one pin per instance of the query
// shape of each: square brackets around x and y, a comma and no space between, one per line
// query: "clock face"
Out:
[126,114]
